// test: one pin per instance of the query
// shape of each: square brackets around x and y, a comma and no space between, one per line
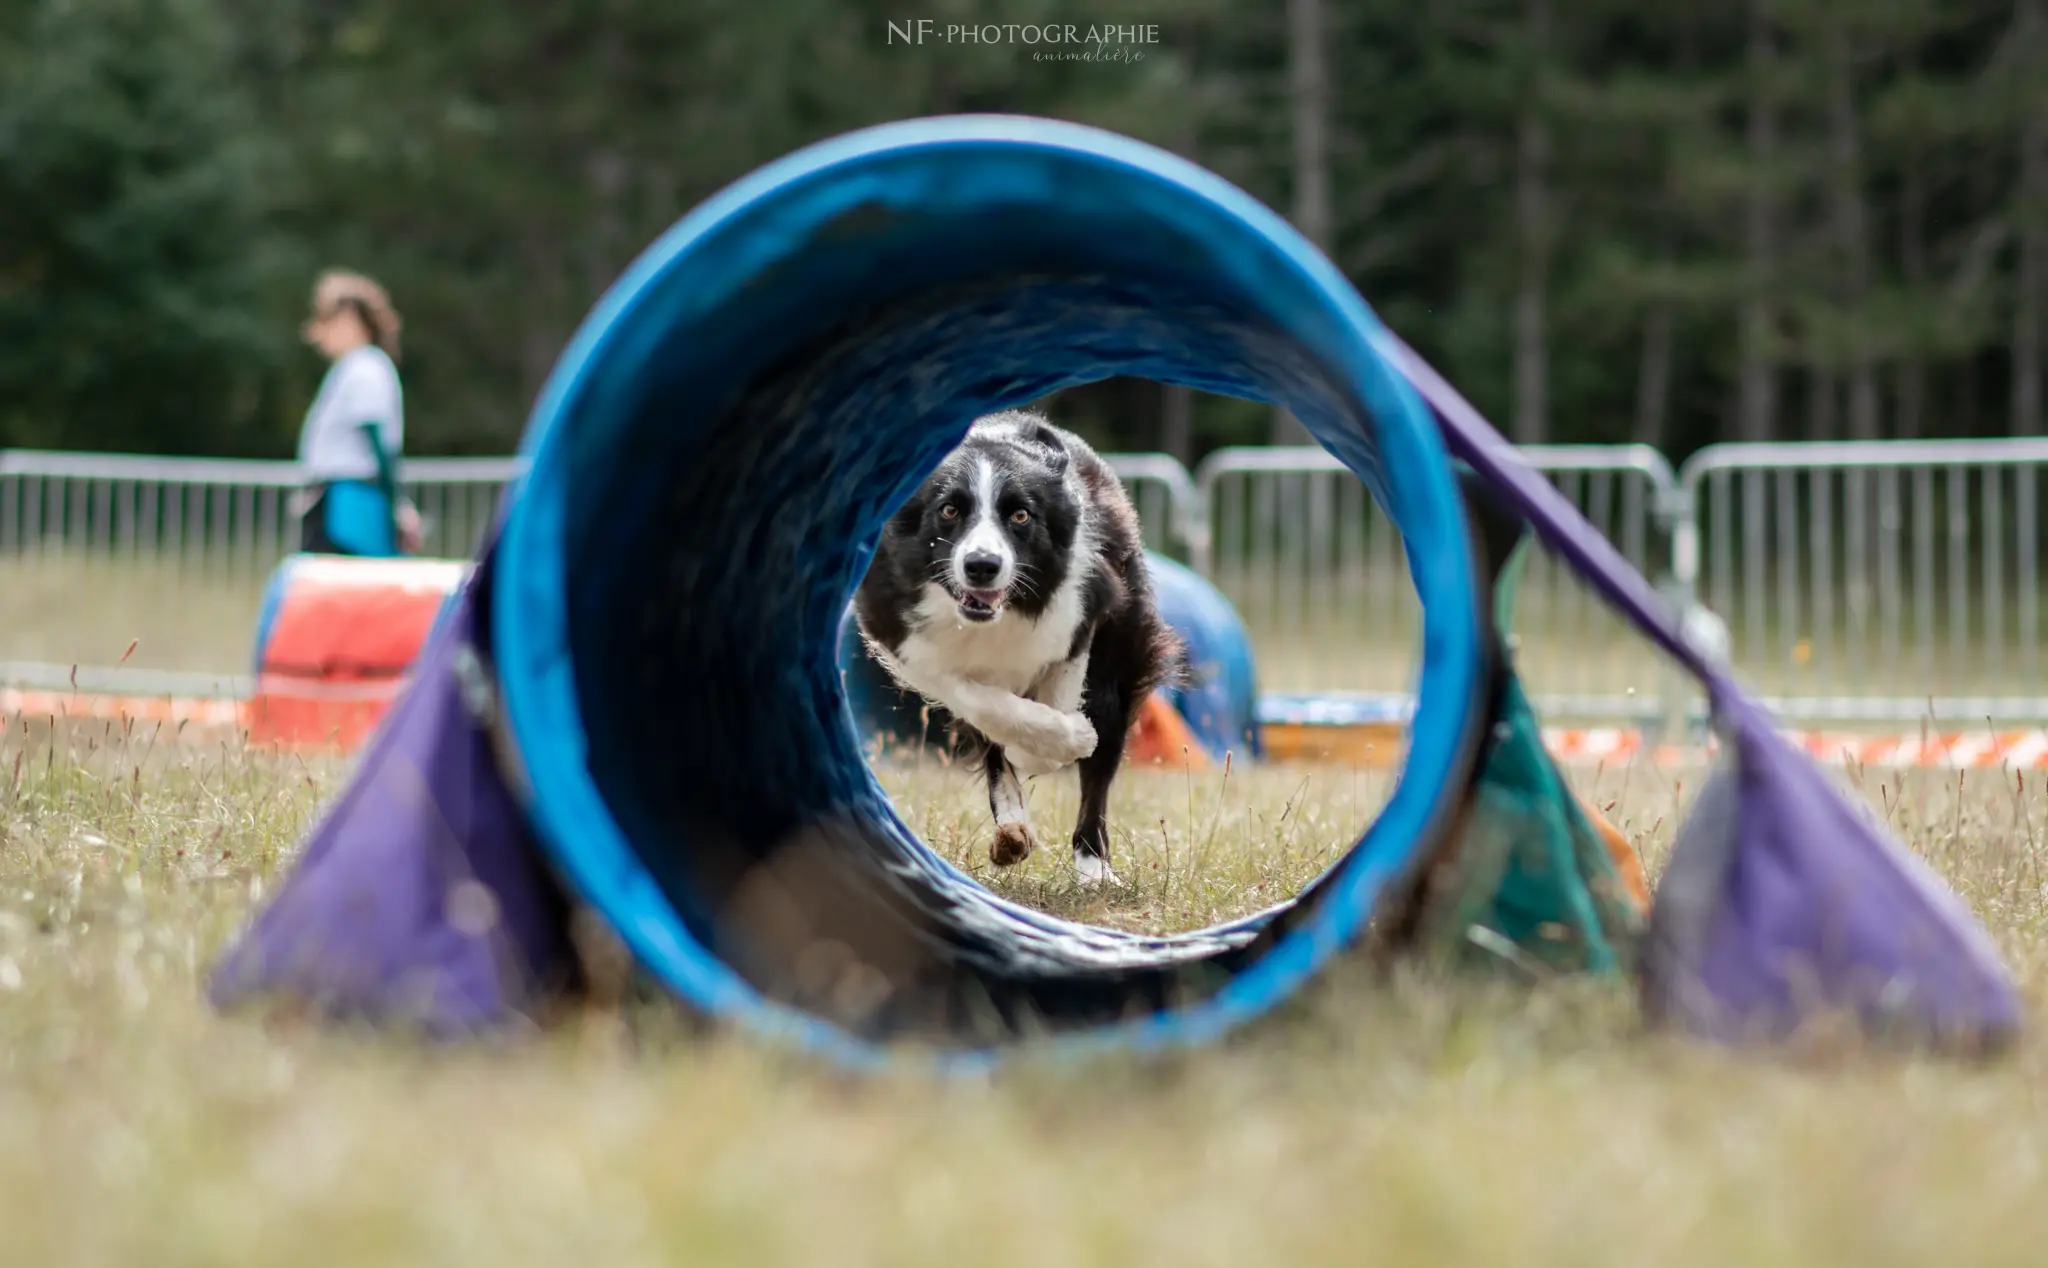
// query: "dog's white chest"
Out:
[1010,652]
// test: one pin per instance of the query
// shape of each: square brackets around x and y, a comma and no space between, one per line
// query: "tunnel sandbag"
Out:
[336,635]
[1534,880]
[1216,700]
[708,470]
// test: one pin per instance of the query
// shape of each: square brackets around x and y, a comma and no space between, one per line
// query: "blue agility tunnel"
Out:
[711,464]
[638,704]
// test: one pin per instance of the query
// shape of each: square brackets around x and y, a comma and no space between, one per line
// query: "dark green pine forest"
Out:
[1606,220]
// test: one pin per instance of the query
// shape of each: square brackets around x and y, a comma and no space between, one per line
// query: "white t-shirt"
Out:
[361,387]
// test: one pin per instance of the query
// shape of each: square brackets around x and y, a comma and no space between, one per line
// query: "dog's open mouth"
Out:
[981,605]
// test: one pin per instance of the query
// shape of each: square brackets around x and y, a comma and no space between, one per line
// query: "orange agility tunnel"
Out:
[335,639]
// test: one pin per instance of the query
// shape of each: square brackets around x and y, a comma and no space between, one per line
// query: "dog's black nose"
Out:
[981,568]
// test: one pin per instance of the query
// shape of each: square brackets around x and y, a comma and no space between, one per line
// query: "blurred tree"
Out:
[139,245]
[1308,107]
[1533,230]
[1757,417]
[1677,223]
[2026,99]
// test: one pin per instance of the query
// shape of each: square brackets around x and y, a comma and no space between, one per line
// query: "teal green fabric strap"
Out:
[1506,586]
[387,475]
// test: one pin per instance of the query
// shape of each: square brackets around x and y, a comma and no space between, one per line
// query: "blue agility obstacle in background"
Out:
[652,642]
[1218,699]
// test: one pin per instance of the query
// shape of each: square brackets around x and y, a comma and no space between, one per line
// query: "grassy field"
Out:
[1410,1121]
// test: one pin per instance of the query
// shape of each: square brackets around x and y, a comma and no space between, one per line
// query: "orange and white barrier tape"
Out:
[1958,750]
[298,715]
[346,713]
[16,703]
[1380,745]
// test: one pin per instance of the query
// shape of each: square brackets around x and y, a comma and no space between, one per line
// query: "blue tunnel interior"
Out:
[710,466]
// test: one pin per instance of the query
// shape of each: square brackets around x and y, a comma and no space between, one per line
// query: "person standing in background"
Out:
[354,433]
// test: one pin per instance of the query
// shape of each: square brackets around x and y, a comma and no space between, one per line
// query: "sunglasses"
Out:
[320,316]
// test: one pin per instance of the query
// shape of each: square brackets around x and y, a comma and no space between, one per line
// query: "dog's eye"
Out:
[1020,517]
[949,512]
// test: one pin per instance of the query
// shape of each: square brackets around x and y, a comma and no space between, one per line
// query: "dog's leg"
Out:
[1014,840]
[1108,708]
[1007,719]
[1063,687]
[1014,722]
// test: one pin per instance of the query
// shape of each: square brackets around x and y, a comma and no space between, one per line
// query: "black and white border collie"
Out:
[1011,592]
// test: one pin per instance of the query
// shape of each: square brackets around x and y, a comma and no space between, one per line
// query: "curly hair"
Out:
[339,288]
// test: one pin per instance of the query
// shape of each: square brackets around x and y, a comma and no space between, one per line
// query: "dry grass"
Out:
[177,615]
[1192,849]
[1411,1122]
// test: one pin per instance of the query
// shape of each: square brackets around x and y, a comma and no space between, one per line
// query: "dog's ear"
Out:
[909,517]
[1048,442]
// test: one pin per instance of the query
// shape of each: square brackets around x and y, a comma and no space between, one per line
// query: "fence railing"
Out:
[1871,580]
[1874,579]
[221,516]
[98,551]
[1321,577]
[1168,506]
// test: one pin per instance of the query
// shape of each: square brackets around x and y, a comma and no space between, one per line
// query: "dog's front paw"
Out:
[1079,741]
[1063,744]
[1012,845]
[1091,870]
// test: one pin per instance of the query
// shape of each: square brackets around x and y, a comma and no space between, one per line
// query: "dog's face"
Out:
[994,526]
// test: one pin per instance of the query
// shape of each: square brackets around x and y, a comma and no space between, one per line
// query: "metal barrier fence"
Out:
[98,551]
[235,515]
[1881,580]
[223,516]
[1321,578]
[1168,507]
[159,563]
[1872,580]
